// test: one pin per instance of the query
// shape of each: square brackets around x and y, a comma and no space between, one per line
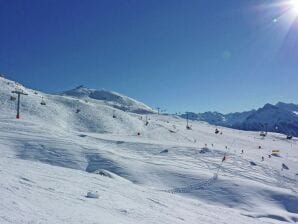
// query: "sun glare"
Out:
[294,4]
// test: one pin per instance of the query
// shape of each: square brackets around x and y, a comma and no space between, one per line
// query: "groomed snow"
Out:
[54,156]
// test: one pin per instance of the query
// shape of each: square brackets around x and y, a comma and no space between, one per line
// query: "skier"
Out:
[262,158]
[224,158]
[242,151]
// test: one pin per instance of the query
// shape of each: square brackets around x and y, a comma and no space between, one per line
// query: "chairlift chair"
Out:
[43,102]
[263,134]
[12,98]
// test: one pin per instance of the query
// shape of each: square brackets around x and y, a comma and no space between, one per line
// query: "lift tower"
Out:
[19,93]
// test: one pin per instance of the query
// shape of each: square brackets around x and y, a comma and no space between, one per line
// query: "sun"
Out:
[294,6]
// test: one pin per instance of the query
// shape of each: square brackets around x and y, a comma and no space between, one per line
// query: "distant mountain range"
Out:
[281,118]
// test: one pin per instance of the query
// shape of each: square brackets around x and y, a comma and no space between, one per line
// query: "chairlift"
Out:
[43,102]
[188,127]
[287,132]
[263,132]
[12,98]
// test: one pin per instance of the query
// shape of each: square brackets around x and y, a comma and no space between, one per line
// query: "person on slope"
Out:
[224,158]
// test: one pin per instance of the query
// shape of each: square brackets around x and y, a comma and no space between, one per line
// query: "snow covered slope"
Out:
[143,168]
[111,98]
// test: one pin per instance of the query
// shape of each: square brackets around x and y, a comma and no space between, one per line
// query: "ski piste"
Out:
[75,159]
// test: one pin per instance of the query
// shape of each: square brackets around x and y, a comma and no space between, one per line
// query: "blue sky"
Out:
[194,55]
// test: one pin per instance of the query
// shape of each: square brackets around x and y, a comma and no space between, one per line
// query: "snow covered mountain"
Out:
[280,118]
[110,98]
[75,159]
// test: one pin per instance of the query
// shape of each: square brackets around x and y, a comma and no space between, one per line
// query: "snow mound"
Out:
[204,150]
[92,194]
[104,173]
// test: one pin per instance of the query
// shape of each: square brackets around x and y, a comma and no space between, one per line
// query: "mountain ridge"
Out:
[281,118]
[111,98]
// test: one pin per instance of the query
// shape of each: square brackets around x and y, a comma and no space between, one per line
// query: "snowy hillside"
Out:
[110,98]
[79,159]
[280,118]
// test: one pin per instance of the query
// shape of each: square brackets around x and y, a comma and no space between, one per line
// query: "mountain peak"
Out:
[109,98]
[269,106]
[81,87]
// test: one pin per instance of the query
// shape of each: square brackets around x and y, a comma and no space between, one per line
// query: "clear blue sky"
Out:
[195,55]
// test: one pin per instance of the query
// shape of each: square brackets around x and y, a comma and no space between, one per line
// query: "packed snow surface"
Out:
[76,160]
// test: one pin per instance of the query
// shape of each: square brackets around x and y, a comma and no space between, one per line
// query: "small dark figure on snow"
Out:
[224,158]
[269,156]
[260,147]
[262,158]
[242,151]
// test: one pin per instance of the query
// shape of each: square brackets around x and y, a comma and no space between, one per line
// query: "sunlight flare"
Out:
[295,6]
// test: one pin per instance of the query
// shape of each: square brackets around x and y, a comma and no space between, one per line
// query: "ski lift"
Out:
[43,102]
[188,127]
[147,122]
[263,133]
[12,98]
